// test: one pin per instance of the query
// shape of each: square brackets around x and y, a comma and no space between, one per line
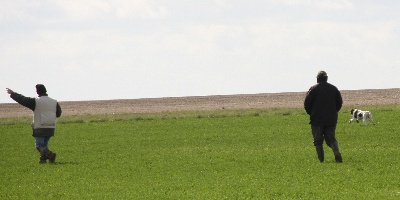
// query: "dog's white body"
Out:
[359,114]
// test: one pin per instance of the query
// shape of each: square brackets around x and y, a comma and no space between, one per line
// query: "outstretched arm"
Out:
[21,99]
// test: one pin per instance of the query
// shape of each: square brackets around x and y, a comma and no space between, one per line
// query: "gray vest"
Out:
[44,115]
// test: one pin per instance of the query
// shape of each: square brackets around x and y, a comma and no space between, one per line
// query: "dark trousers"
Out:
[327,133]
[321,133]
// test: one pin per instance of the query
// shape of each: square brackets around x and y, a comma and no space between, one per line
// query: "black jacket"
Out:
[30,103]
[323,102]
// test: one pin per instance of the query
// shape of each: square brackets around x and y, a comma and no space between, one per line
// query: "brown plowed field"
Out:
[355,98]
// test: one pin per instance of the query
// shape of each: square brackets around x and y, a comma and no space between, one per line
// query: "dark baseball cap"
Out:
[322,74]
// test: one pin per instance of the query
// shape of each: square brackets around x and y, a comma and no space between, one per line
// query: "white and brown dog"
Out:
[359,114]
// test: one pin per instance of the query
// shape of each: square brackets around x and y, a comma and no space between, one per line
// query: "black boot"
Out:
[336,152]
[320,152]
[45,154]
[43,157]
[51,156]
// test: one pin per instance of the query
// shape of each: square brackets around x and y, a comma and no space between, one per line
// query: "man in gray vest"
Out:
[45,111]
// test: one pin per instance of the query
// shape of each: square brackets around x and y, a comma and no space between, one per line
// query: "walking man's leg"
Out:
[330,134]
[49,154]
[317,132]
[40,146]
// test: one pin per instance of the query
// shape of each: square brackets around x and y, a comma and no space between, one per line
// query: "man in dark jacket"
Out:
[323,102]
[45,111]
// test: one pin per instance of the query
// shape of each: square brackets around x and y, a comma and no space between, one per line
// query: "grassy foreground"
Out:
[247,154]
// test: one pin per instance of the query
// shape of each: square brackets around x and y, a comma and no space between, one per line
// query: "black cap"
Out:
[322,74]
[40,89]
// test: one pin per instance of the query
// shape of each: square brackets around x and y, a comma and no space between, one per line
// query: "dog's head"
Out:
[356,113]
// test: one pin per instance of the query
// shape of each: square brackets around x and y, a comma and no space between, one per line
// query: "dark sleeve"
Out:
[59,111]
[25,101]
[339,101]
[309,101]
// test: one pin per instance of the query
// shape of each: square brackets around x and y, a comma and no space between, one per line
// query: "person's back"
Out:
[45,113]
[323,103]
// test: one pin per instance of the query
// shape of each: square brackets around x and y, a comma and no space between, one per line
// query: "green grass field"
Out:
[242,154]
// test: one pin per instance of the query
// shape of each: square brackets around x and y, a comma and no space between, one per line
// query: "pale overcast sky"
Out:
[128,49]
